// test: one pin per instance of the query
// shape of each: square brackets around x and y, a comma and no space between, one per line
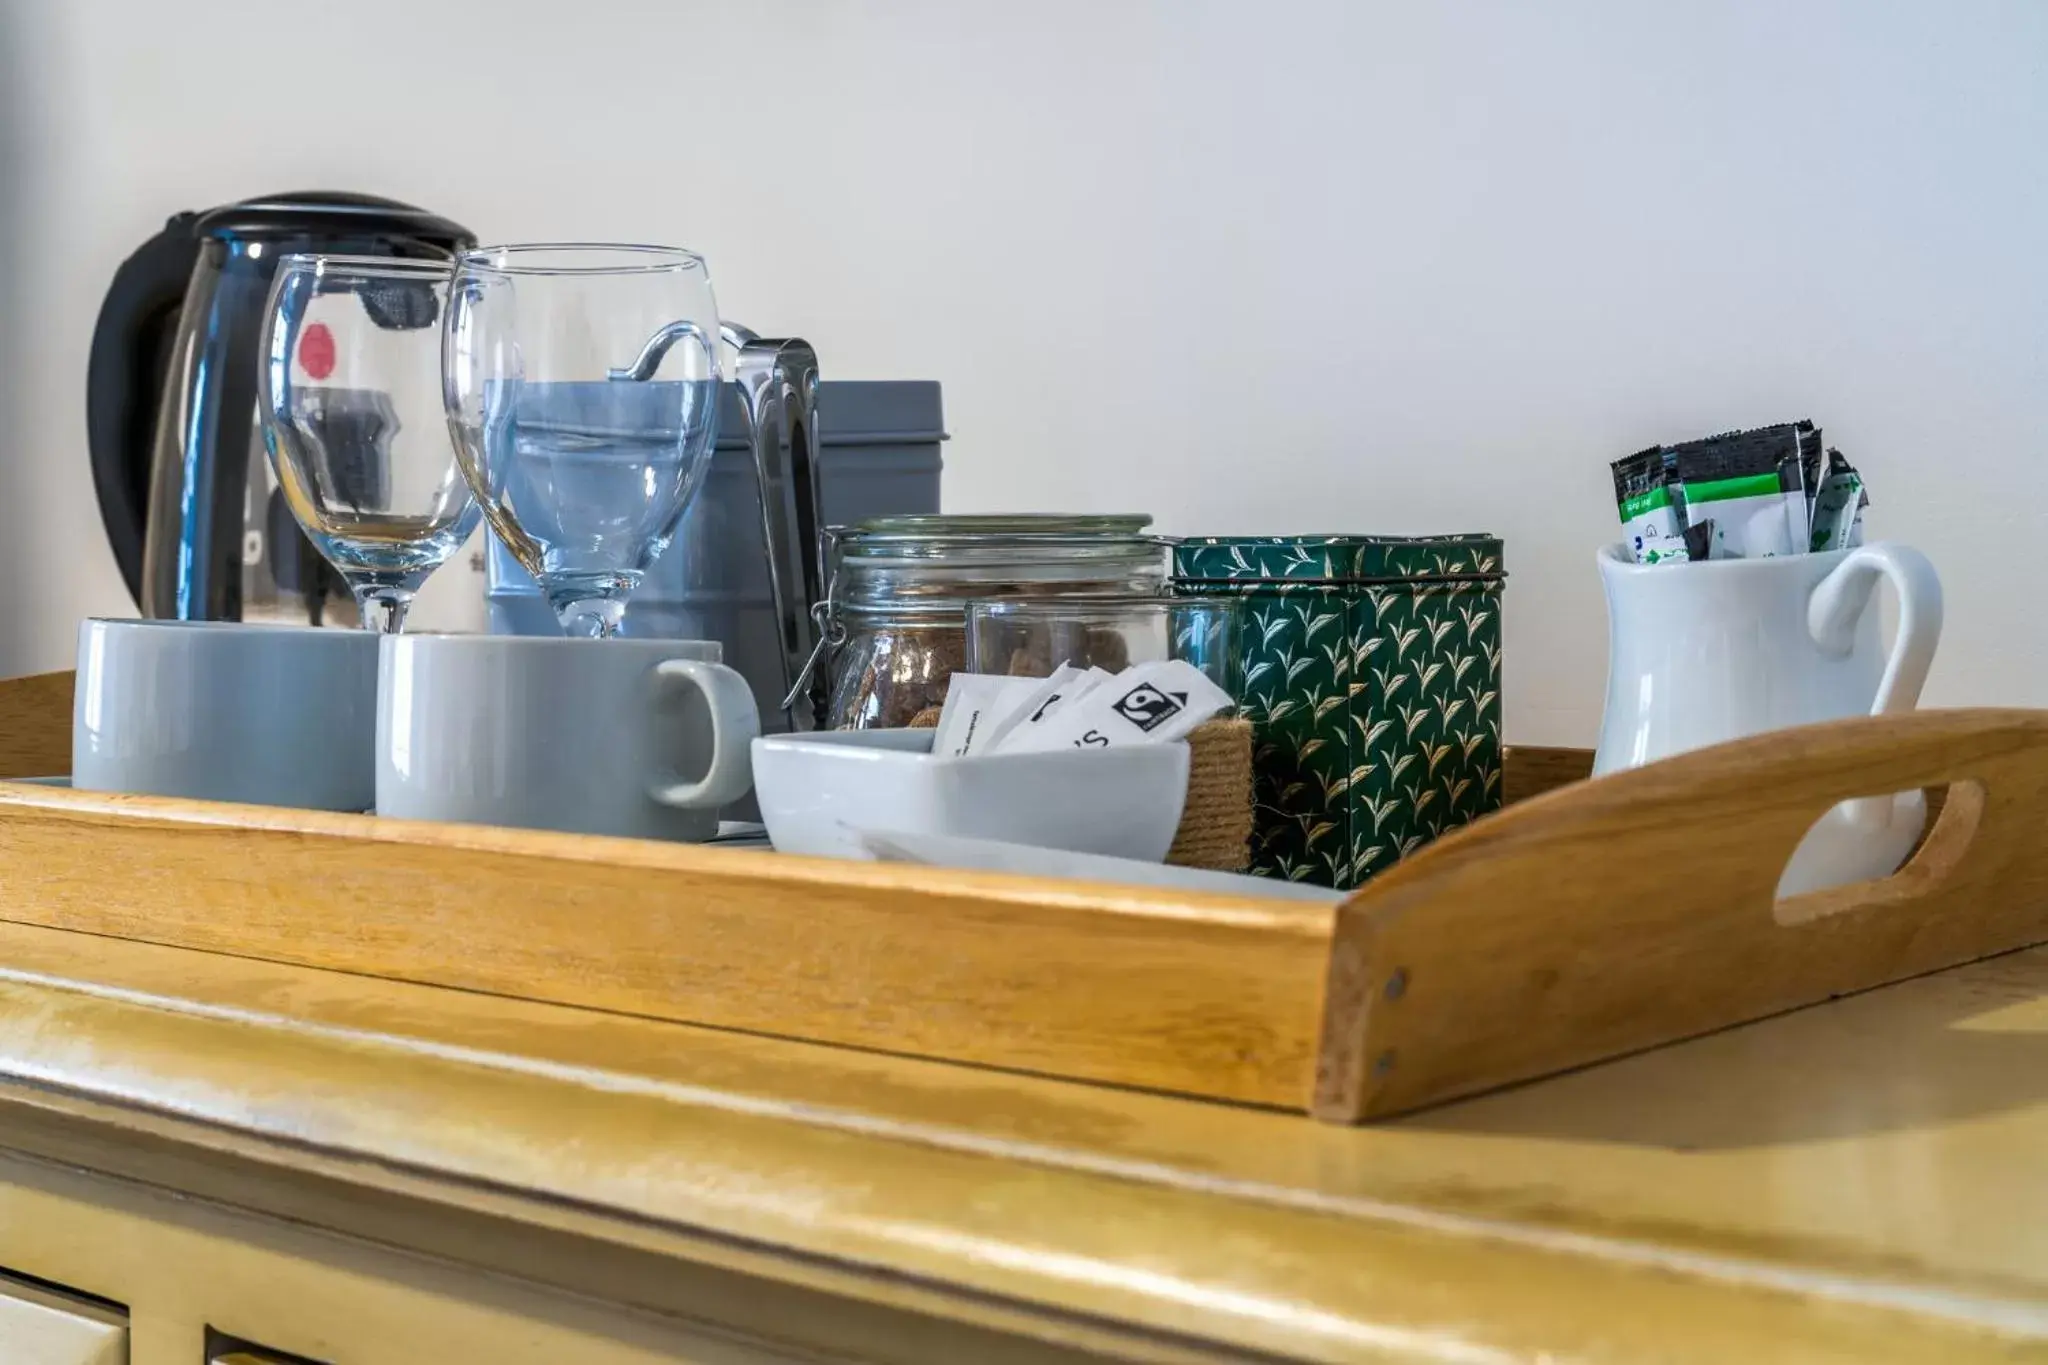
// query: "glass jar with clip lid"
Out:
[895,614]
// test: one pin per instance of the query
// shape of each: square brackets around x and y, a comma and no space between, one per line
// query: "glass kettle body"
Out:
[191,508]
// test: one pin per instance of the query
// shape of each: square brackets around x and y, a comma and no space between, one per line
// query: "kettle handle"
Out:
[778,382]
[124,384]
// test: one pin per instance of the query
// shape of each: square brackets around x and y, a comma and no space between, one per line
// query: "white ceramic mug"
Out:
[645,738]
[225,711]
[1703,653]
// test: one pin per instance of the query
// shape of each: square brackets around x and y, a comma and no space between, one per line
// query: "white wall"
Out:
[1253,267]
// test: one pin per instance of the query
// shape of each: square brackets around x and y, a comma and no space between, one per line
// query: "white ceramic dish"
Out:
[817,791]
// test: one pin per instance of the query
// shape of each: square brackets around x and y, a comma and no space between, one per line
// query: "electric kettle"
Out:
[192,510]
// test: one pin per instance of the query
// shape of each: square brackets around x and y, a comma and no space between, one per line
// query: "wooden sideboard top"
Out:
[1865,1180]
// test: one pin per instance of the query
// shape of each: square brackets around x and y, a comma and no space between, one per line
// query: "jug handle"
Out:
[1838,603]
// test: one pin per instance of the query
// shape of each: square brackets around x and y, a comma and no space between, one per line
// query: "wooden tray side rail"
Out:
[1589,920]
[1611,916]
[1119,984]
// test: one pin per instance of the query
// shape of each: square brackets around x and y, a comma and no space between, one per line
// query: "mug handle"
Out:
[1838,603]
[734,724]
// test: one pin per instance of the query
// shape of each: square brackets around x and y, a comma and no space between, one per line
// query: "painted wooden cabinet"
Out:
[201,1281]
[208,1157]
[42,1325]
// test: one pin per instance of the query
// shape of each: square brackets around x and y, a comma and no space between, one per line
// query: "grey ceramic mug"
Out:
[225,711]
[645,738]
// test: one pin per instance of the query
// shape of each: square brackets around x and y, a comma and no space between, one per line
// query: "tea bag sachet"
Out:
[1653,520]
[1045,696]
[974,704]
[1699,539]
[981,708]
[1838,507]
[1151,703]
[1752,494]
[1752,486]
[1067,684]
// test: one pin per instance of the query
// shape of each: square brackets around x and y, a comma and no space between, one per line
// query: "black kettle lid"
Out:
[302,212]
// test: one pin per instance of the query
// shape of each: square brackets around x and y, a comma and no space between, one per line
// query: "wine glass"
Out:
[353,423]
[582,385]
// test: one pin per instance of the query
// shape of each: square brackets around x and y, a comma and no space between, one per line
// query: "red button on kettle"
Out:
[316,351]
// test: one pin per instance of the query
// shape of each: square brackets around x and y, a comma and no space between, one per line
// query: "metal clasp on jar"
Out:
[831,635]
[824,614]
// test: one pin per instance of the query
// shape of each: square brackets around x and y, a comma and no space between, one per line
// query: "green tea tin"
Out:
[1370,670]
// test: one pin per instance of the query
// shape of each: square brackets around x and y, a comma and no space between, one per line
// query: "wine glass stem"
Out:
[384,609]
[591,618]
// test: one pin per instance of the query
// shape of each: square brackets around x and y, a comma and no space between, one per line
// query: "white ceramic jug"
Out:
[1707,652]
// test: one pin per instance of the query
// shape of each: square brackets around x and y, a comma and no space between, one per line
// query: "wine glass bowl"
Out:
[581,384]
[353,423]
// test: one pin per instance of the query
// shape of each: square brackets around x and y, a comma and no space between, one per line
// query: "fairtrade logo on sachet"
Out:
[1148,708]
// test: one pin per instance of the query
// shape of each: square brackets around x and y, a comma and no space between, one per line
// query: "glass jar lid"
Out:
[934,563]
[936,535]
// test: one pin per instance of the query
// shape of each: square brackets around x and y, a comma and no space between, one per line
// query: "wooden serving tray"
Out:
[1590,920]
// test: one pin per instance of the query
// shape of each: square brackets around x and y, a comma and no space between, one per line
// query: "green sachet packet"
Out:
[1812,466]
[1752,485]
[1699,539]
[1838,507]
[1652,511]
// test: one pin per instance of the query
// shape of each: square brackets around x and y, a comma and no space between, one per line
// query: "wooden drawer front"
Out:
[222,1349]
[41,1326]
